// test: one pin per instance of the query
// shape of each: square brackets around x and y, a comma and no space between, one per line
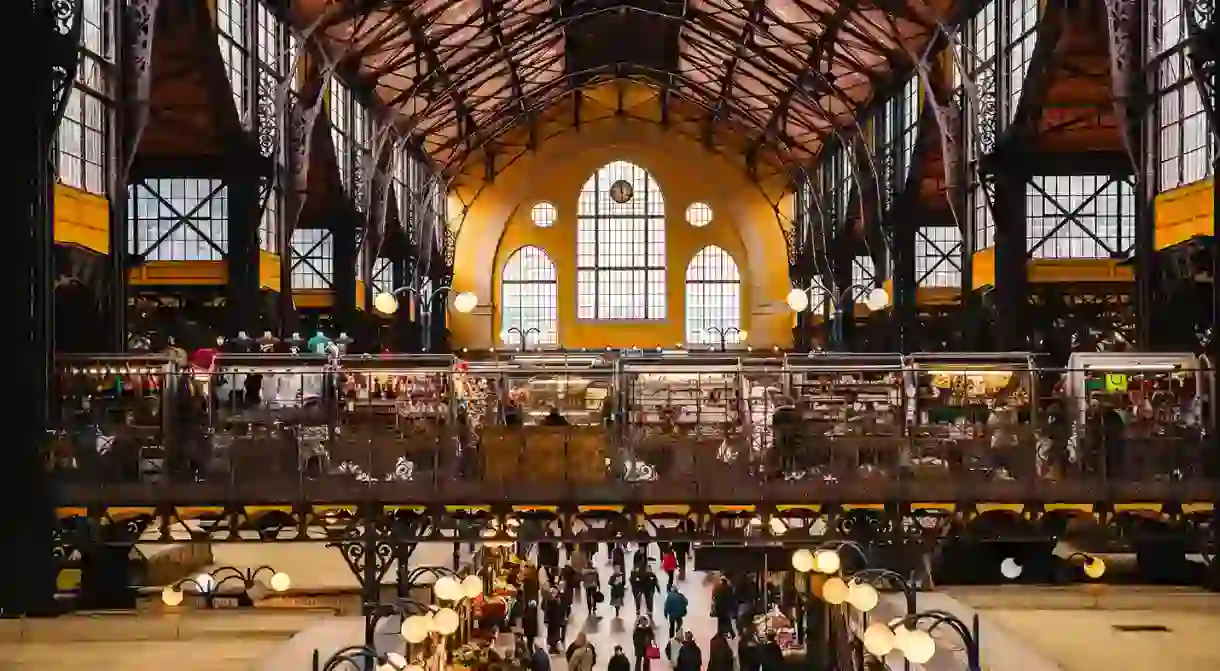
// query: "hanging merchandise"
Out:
[318,343]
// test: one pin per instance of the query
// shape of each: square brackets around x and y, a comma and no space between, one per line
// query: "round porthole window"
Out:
[543,215]
[699,215]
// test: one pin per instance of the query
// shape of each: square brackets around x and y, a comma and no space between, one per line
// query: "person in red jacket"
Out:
[669,564]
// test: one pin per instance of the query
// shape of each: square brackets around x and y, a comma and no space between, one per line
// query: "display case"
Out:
[112,414]
[271,417]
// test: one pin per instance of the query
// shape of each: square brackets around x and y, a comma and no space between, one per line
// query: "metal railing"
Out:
[596,428]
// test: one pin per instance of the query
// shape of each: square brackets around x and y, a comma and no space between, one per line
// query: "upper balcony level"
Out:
[657,428]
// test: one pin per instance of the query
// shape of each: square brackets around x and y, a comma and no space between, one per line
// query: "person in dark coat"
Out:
[540,660]
[690,657]
[529,622]
[770,655]
[724,606]
[642,637]
[618,590]
[644,587]
[747,652]
[619,661]
[556,620]
[548,561]
[720,654]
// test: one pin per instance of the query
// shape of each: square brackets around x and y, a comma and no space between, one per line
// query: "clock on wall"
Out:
[621,191]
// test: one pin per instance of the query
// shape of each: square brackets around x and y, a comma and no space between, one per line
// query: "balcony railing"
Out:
[592,429]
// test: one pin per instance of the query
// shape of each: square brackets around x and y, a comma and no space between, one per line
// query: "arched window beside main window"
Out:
[620,245]
[528,298]
[713,297]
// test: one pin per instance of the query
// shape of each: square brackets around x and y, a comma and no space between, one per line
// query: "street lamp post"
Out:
[387,303]
[352,655]
[208,585]
[799,300]
[918,646]
[724,333]
[521,335]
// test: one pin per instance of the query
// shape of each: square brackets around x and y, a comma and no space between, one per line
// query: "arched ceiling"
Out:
[457,74]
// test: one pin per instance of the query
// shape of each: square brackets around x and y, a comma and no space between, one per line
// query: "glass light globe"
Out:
[1010,569]
[396,661]
[834,591]
[878,639]
[465,302]
[415,629]
[742,335]
[918,646]
[280,582]
[385,303]
[472,586]
[1094,568]
[447,589]
[798,300]
[206,582]
[172,596]
[445,621]
[862,596]
[877,299]
[827,561]
[802,561]
[901,633]
[777,526]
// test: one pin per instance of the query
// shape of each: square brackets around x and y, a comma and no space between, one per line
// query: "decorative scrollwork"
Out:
[356,556]
[62,19]
[986,112]
[268,114]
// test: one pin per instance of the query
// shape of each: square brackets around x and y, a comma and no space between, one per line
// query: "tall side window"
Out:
[620,245]
[1022,37]
[1185,145]
[81,145]
[273,61]
[232,19]
[529,298]
[977,53]
[713,297]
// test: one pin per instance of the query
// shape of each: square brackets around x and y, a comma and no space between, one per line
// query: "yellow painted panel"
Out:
[1009,507]
[1184,213]
[1080,507]
[180,273]
[269,271]
[731,509]
[82,219]
[323,298]
[1193,508]
[1133,507]
[666,510]
[1051,271]
[982,265]
[928,295]
[536,509]
[65,512]
[863,506]
[799,506]
[591,509]
[948,507]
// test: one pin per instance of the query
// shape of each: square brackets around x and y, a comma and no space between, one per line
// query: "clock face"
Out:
[621,191]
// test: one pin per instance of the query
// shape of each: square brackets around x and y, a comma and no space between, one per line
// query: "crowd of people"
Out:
[550,595]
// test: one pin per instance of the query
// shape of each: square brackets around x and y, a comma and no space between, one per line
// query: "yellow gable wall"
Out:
[744,224]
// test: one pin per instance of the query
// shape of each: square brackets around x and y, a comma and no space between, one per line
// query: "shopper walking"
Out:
[690,657]
[720,654]
[675,610]
[669,564]
[619,661]
[644,642]
[724,606]
[618,590]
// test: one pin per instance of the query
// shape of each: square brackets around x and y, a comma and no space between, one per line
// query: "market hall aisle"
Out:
[607,631]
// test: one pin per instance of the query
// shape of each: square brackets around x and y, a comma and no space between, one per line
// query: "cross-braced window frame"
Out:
[713,297]
[620,247]
[1079,217]
[938,256]
[177,219]
[529,298]
[313,259]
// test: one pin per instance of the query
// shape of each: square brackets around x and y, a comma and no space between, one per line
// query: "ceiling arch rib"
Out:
[454,74]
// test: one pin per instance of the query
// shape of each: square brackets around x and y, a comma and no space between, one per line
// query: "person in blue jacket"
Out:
[675,610]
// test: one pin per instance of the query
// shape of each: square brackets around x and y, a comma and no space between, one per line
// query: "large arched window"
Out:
[713,297]
[620,245]
[528,292]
